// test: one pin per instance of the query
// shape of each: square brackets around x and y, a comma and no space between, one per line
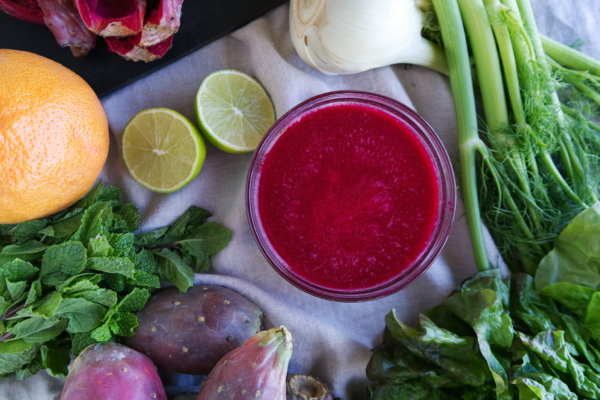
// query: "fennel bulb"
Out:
[351,36]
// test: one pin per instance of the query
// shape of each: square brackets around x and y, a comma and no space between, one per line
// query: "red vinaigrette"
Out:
[347,197]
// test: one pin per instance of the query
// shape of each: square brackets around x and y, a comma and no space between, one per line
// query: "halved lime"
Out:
[233,111]
[162,150]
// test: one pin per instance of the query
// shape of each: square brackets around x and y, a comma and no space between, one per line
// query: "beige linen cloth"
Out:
[331,340]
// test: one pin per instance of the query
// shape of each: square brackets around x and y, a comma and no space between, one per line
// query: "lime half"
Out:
[233,111]
[162,150]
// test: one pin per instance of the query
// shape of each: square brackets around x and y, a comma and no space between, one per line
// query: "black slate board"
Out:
[202,21]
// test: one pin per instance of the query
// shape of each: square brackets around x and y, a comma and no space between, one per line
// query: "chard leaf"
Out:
[527,308]
[543,387]
[38,329]
[80,342]
[575,297]
[446,319]
[83,315]
[171,268]
[14,346]
[62,261]
[458,357]
[113,265]
[56,359]
[592,319]
[410,390]
[209,238]
[576,254]
[98,247]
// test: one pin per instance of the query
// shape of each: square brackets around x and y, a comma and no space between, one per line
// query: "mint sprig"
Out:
[76,278]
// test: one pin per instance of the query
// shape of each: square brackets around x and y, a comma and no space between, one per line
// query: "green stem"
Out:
[569,111]
[570,57]
[584,88]
[455,45]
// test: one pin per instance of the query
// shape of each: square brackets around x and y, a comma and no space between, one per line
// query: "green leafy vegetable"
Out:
[77,278]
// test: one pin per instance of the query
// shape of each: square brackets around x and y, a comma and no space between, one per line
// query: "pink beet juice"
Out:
[347,198]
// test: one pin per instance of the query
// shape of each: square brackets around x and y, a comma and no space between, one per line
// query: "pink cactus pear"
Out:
[112,371]
[26,10]
[112,17]
[162,21]
[306,387]
[128,51]
[63,19]
[255,370]
[190,332]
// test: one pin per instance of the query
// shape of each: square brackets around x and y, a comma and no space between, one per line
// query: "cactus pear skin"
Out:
[189,332]
[306,387]
[112,371]
[124,48]
[163,20]
[255,370]
[26,10]
[112,17]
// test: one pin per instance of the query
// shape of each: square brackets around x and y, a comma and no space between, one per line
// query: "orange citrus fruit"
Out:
[53,137]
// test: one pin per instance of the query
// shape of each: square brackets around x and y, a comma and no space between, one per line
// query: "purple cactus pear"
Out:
[255,370]
[112,371]
[306,387]
[189,332]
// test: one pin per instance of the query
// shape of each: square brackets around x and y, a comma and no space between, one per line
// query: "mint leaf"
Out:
[18,270]
[56,358]
[10,363]
[134,301]
[120,242]
[141,278]
[123,324]
[109,193]
[115,281]
[209,238]
[127,218]
[48,305]
[14,346]
[38,329]
[80,342]
[171,268]
[4,304]
[98,247]
[90,276]
[83,315]
[31,369]
[80,286]
[16,290]
[62,261]
[113,265]
[102,334]
[28,230]
[34,292]
[144,261]
[47,231]
[104,297]
[149,239]
[68,226]
[93,222]
[29,251]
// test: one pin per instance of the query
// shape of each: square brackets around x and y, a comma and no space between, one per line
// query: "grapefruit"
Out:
[53,137]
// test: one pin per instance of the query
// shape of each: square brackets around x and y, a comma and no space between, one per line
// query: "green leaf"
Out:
[4,304]
[95,278]
[105,297]
[28,230]
[35,291]
[29,251]
[134,301]
[120,242]
[144,261]
[80,286]
[141,278]
[576,254]
[149,239]
[68,226]
[181,227]
[62,261]
[11,363]
[115,281]
[108,193]
[98,247]
[55,356]
[543,387]
[48,306]
[529,311]
[47,231]
[102,334]
[16,290]
[83,315]
[123,324]
[209,238]
[32,368]
[113,265]
[411,390]
[446,319]
[80,342]
[126,219]
[171,268]
[14,346]
[575,297]
[19,270]
[458,357]
[93,223]
[592,319]
[38,329]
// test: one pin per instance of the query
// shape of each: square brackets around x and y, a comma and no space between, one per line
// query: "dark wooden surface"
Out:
[202,21]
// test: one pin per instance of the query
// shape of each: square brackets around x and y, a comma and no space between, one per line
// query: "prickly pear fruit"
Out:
[162,21]
[128,51]
[112,17]
[115,372]
[306,387]
[27,10]
[63,19]
[190,332]
[255,370]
